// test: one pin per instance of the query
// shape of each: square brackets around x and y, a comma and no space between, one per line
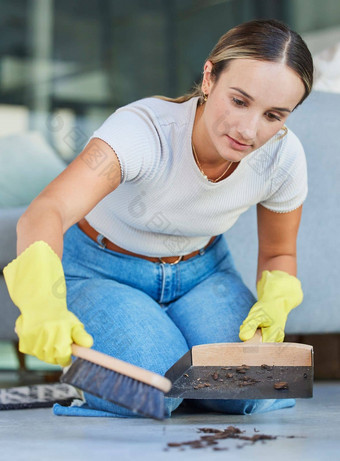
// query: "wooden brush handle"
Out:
[124,368]
[257,338]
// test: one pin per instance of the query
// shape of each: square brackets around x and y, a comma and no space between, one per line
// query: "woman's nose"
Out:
[248,129]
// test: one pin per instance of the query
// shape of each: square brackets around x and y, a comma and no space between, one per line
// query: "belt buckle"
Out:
[171,264]
[100,240]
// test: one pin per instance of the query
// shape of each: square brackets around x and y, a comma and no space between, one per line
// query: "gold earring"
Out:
[205,97]
[285,131]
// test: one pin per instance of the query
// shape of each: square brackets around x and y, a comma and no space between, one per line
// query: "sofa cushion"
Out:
[27,165]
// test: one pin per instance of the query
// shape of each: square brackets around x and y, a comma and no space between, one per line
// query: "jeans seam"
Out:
[162,282]
[178,282]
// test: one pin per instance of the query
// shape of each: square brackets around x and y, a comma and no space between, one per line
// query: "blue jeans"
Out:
[150,314]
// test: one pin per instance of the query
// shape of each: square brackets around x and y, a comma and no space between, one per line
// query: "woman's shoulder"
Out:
[293,141]
[284,146]
[291,154]
[282,153]
[161,111]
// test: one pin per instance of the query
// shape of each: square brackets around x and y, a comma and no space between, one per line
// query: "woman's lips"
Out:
[237,145]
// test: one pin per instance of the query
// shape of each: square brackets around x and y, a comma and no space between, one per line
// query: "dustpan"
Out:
[247,370]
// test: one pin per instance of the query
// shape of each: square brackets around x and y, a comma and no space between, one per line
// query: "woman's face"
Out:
[248,104]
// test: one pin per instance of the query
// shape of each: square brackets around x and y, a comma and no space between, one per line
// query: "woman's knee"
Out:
[127,323]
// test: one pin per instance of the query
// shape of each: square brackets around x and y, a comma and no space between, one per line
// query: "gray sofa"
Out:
[317,123]
[8,311]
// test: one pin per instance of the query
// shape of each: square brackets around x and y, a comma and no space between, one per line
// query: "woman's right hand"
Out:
[46,328]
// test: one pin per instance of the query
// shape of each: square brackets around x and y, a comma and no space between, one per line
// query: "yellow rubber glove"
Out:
[46,328]
[278,293]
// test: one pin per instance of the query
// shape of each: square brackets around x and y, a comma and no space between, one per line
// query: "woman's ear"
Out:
[207,80]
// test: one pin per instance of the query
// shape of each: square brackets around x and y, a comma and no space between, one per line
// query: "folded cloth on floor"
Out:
[80,408]
[243,407]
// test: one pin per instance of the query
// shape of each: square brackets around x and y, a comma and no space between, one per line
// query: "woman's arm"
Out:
[35,279]
[278,290]
[277,234]
[93,174]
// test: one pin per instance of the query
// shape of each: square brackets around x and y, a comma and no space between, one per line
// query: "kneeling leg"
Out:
[127,324]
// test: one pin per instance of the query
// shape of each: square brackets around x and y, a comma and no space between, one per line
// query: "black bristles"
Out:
[115,387]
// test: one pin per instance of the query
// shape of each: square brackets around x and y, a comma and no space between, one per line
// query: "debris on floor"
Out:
[215,435]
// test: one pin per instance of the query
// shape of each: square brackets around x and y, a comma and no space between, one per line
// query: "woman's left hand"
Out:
[278,293]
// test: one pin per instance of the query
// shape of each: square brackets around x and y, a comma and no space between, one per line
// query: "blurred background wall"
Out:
[65,65]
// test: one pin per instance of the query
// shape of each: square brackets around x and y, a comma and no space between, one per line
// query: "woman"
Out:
[138,219]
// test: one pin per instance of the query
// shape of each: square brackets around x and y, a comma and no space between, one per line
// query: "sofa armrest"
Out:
[8,221]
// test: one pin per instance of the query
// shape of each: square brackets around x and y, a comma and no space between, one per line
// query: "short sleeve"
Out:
[289,184]
[132,134]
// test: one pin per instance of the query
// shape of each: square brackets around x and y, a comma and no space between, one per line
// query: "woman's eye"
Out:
[238,102]
[273,117]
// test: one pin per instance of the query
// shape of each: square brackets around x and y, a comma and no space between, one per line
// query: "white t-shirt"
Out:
[164,206]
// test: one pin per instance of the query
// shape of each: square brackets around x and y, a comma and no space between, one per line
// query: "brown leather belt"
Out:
[103,241]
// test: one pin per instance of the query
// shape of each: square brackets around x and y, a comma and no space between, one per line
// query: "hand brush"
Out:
[247,370]
[127,385]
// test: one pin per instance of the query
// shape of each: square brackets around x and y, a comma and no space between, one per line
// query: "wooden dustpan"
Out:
[247,370]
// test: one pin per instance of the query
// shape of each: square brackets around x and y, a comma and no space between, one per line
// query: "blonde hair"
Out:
[263,40]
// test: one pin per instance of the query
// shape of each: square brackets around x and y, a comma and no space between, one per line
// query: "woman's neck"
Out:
[208,158]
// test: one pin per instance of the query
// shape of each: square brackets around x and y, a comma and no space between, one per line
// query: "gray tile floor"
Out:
[39,435]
